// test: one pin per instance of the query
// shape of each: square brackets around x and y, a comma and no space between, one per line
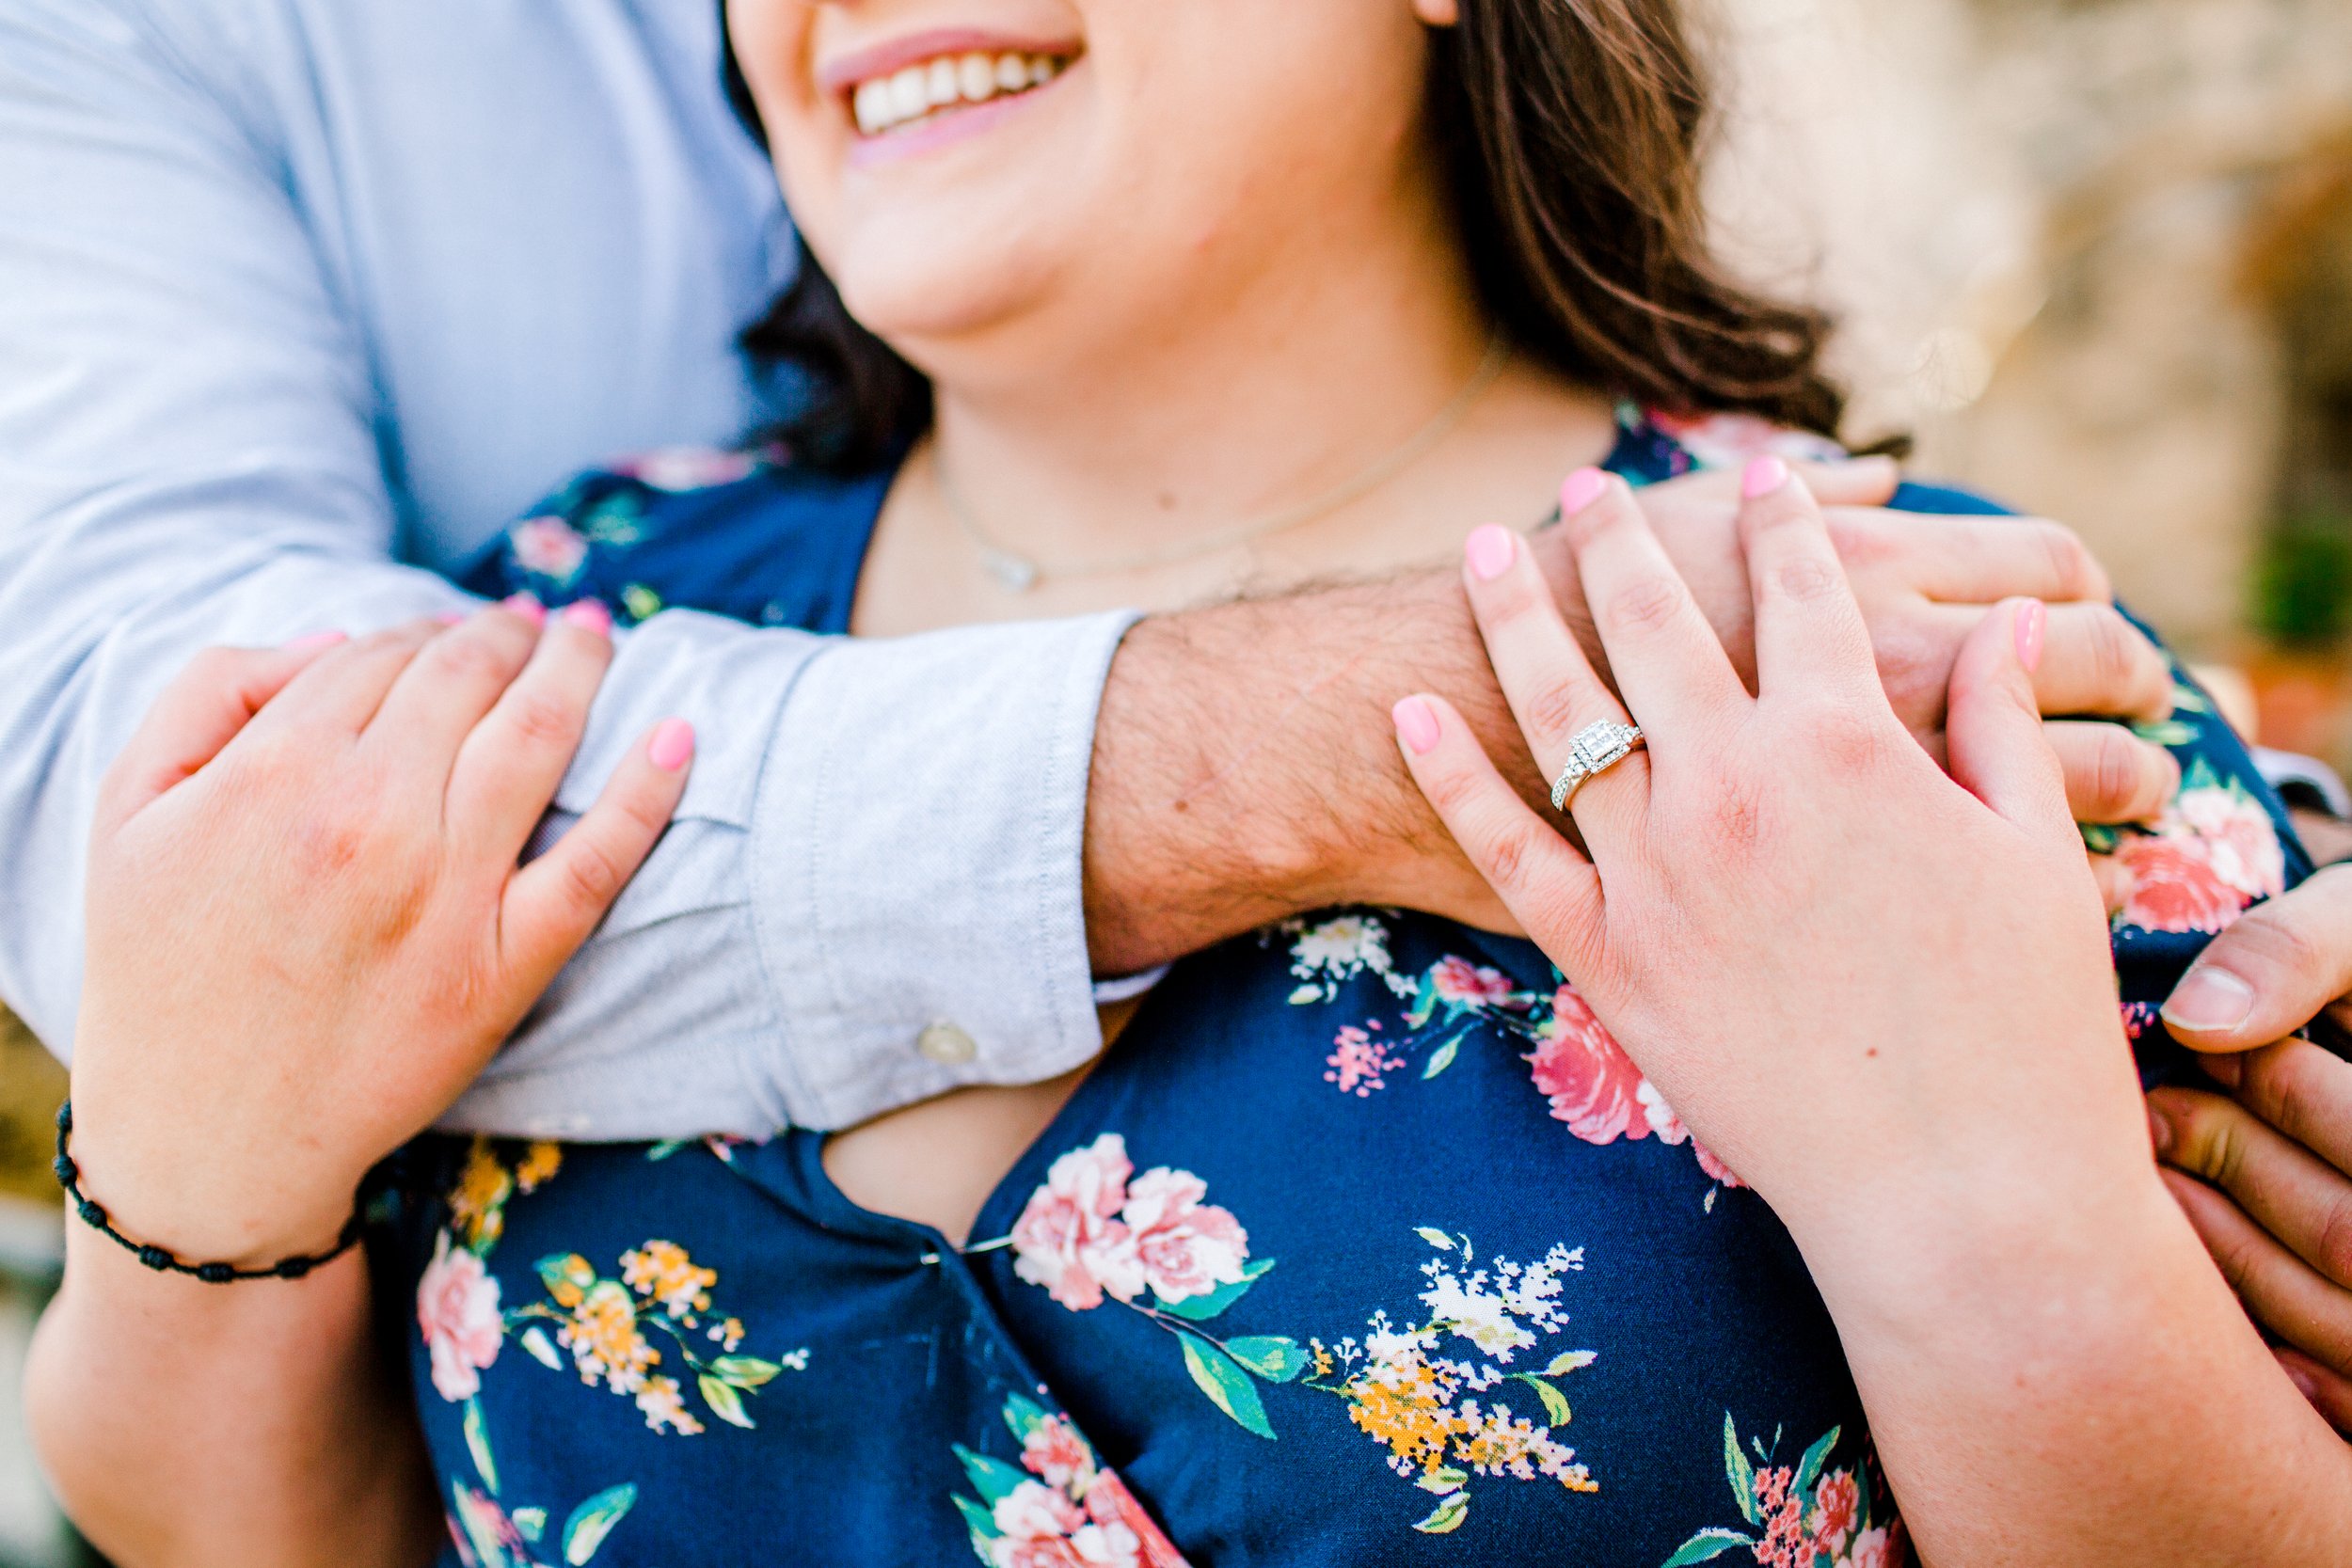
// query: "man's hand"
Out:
[1243,766]
[2264,1169]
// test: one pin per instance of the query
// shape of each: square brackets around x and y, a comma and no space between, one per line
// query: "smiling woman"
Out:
[1365,1241]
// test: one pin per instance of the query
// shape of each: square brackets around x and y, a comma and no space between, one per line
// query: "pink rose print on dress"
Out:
[1834,1510]
[2197,868]
[1188,1247]
[457,1308]
[548,548]
[1595,1087]
[1464,984]
[2171,885]
[1053,1452]
[1110,1504]
[2239,840]
[1592,1083]
[1070,1238]
[1073,1515]
[1088,1234]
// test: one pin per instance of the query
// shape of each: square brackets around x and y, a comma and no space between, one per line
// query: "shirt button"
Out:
[946,1045]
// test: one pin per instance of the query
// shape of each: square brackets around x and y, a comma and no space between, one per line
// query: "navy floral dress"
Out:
[1365,1244]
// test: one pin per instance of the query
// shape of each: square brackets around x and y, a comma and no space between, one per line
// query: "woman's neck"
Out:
[1207,423]
[1248,407]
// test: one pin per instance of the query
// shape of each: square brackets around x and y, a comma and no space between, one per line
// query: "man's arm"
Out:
[189,455]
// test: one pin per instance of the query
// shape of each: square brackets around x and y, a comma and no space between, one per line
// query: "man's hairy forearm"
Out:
[1246,768]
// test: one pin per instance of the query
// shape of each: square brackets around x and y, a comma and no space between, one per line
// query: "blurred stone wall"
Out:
[2082,247]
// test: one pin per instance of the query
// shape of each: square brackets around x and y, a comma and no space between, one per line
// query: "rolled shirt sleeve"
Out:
[879,850]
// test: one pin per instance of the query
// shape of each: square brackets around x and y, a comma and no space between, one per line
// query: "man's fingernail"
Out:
[2209,1001]
[2032,620]
[590,615]
[2304,1385]
[2225,1069]
[1763,476]
[1581,490]
[1416,724]
[317,640]
[672,745]
[529,608]
[1491,551]
[2159,1132]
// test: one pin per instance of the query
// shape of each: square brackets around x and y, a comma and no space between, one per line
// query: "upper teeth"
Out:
[885,102]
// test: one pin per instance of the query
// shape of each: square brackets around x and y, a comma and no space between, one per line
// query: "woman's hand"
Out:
[1924,582]
[309,925]
[1883,997]
[2264,1170]
[1765,843]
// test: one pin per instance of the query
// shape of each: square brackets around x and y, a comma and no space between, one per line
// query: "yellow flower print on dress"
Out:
[605,1323]
[1435,1394]
[627,1335]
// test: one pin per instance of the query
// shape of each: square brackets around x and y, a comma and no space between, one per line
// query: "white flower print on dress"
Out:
[1337,949]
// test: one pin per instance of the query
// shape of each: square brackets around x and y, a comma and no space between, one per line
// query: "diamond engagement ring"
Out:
[1597,747]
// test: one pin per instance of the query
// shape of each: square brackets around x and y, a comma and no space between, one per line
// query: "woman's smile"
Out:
[935,78]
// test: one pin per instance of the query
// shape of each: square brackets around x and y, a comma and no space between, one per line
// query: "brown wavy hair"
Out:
[1572,134]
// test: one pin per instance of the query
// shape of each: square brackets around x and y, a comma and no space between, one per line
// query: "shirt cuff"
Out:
[915,865]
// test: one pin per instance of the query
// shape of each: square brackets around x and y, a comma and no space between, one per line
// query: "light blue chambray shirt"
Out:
[294,291]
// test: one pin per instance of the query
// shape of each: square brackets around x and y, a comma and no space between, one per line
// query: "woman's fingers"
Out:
[2280,1291]
[1550,888]
[1669,666]
[1544,675]
[453,680]
[1809,633]
[2111,774]
[508,768]
[205,707]
[2270,973]
[552,904]
[2302,1200]
[1993,730]
[2329,1391]
[338,692]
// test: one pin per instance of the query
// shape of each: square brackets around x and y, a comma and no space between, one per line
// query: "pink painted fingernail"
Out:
[2033,618]
[1416,724]
[317,640]
[589,615]
[1763,476]
[2159,1131]
[672,746]
[1580,489]
[1491,551]
[529,608]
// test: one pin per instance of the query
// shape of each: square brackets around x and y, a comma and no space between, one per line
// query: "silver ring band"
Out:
[1597,747]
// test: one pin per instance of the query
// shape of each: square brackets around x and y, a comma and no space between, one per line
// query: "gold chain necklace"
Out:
[1017,573]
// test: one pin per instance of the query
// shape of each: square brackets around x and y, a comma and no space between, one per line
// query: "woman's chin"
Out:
[934,292]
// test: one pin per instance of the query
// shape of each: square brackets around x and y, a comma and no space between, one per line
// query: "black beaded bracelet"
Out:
[70,1178]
